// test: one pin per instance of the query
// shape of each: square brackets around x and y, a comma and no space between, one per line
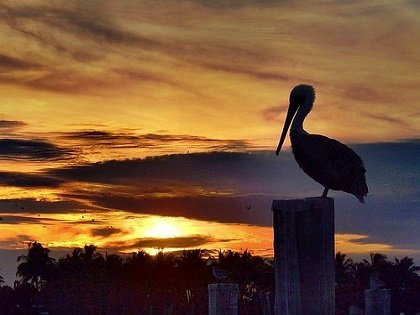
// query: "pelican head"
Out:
[298,97]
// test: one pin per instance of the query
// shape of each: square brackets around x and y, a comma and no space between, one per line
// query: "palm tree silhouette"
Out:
[381,269]
[344,268]
[36,266]
[405,273]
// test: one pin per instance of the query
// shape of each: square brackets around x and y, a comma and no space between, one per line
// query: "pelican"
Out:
[329,162]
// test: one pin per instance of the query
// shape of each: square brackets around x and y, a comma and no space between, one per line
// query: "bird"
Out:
[219,273]
[329,162]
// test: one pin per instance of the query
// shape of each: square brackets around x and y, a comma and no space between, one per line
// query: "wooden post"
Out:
[377,299]
[223,299]
[304,262]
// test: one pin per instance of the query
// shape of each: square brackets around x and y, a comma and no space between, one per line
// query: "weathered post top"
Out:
[302,204]
[304,256]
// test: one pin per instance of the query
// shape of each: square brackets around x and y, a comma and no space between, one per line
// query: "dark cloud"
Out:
[391,221]
[36,150]
[232,209]
[18,179]
[19,219]
[248,173]
[99,135]
[12,242]
[174,242]
[12,63]
[239,187]
[31,205]
[11,124]
[180,242]
[225,172]
[105,231]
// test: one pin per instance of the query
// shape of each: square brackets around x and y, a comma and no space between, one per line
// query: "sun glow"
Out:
[163,229]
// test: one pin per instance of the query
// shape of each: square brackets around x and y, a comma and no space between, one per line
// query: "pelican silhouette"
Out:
[329,162]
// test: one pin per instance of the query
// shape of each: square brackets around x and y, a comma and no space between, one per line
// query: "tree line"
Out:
[88,282]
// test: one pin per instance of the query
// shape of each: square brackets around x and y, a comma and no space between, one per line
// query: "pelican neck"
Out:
[302,112]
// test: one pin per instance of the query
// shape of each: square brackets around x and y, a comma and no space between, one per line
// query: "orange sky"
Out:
[217,71]
[93,81]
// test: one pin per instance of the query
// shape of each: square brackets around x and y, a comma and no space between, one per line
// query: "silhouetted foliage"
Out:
[35,267]
[87,282]
[352,279]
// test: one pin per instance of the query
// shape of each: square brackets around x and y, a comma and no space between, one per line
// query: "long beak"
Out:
[290,113]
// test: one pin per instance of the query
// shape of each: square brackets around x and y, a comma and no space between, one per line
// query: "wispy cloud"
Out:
[237,4]
[387,119]
[100,139]
[241,69]
[218,56]
[69,19]
[273,113]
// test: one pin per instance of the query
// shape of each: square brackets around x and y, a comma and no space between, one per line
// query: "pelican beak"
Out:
[290,114]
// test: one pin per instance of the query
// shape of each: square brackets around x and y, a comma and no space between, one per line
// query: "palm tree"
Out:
[344,268]
[405,272]
[36,266]
[381,269]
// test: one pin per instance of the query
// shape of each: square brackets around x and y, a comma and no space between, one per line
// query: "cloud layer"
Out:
[234,188]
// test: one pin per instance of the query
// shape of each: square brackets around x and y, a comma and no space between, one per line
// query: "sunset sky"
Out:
[153,124]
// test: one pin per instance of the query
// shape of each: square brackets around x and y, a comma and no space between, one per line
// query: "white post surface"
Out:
[304,256]
[223,298]
[377,299]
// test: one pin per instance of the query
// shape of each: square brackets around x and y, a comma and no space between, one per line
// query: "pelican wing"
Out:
[329,162]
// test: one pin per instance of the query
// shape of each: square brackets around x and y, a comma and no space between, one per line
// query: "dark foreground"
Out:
[89,283]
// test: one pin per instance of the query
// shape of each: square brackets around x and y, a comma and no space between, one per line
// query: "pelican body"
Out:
[329,162]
